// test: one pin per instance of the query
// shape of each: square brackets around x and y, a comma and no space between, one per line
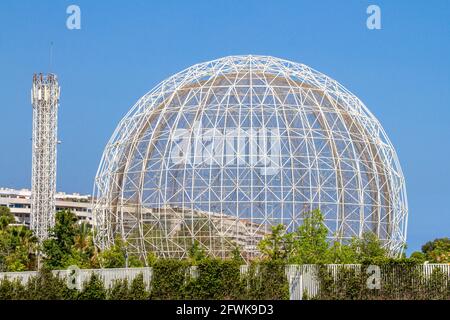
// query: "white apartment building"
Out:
[19,202]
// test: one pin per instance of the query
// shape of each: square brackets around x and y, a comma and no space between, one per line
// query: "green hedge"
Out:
[399,281]
[217,279]
[45,286]
[221,279]
[267,281]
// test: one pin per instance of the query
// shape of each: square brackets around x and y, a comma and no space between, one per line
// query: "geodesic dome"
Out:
[223,150]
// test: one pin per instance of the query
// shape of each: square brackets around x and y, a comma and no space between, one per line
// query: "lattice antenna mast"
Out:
[45,99]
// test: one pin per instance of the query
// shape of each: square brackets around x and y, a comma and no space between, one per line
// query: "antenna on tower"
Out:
[45,94]
[51,56]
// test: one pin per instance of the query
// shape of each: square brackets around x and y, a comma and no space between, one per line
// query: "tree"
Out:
[6,217]
[138,289]
[17,249]
[151,258]
[368,248]
[236,255]
[277,245]
[93,289]
[436,251]
[17,244]
[58,248]
[311,245]
[196,253]
[83,248]
[114,257]
[119,290]
[418,256]
[83,237]
[341,253]
[70,243]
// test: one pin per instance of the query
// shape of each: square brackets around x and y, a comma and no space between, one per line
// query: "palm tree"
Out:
[6,217]
[84,244]
[83,237]
[22,246]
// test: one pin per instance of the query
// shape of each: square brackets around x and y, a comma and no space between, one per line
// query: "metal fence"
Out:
[78,277]
[302,279]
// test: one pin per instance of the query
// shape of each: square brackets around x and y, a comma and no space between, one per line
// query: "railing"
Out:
[301,278]
[81,276]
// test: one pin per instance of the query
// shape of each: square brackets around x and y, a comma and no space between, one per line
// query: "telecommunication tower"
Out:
[45,99]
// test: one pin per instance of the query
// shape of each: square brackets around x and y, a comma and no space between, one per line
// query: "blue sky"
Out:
[124,48]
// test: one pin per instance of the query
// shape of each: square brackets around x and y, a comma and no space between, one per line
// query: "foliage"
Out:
[221,279]
[436,251]
[196,253]
[17,244]
[138,290]
[267,281]
[368,248]
[46,286]
[236,255]
[69,244]
[418,256]
[116,257]
[11,290]
[169,279]
[93,289]
[277,246]
[401,280]
[122,290]
[6,217]
[58,248]
[119,290]
[84,252]
[217,279]
[311,245]
[151,258]
[341,254]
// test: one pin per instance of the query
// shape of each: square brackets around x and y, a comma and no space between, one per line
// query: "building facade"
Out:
[19,202]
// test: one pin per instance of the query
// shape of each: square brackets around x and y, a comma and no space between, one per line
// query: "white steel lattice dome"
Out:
[225,149]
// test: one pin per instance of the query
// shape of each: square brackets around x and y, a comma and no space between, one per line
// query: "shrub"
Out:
[169,279]
[119,290]
[11,290]
[93,289]
[267,281]
[400,280]
[221,279]
[46,286]
[217,279]
[138,289]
